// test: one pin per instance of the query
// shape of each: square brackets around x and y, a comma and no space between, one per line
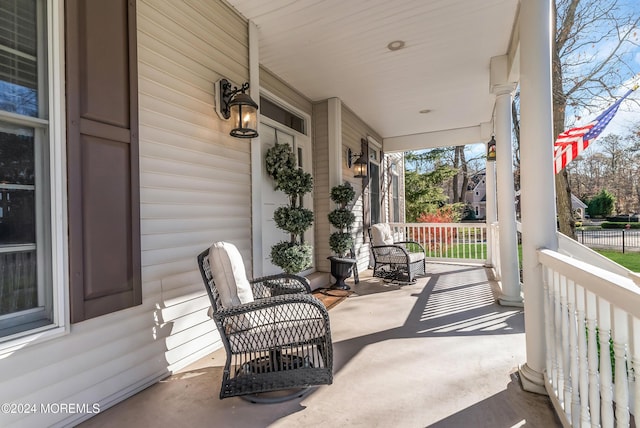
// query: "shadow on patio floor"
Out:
[438,353]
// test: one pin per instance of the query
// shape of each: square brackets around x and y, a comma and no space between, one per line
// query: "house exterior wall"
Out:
[353,130]
[282,90]
[195,188]
[195,177]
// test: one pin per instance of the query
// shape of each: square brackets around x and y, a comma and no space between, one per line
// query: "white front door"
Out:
[270,133]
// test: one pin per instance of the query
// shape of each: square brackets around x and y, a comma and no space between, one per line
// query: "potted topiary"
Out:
[292,256]
[341,240]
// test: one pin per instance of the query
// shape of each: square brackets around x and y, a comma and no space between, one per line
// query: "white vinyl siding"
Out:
[195,179]
[276,86]
[195,189]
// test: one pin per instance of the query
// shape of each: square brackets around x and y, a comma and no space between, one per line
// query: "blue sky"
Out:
[628,68]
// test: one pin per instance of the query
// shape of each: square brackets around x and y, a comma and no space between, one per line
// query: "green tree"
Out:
[425,172]
[602,204]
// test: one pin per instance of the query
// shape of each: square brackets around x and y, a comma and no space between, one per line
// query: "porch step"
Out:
[319,280]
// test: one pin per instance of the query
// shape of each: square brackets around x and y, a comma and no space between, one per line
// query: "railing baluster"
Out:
[635,358]
[566,352]
[451,240]
[574,360]
[583,362]
[606,392]
[549,326]
[558,335]
[620,339]
[592,355]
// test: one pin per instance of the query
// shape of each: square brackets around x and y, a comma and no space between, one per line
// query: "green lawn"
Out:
[459,251]
[479,251]
[629,260]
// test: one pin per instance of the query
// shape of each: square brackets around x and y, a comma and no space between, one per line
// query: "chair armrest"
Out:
[412,243]
[274,285]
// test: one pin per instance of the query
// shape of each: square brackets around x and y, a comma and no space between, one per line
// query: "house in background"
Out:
[112,151]
[578,207]
[476,195]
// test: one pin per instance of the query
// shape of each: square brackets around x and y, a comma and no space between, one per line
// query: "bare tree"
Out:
[591,59]
[460,181]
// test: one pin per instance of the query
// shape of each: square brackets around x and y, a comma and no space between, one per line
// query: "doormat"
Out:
[330,297]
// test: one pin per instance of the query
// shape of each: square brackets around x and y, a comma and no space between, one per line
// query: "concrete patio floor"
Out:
[437,353]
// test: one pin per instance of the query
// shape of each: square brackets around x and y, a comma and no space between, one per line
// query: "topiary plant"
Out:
[294,255]
[342,219]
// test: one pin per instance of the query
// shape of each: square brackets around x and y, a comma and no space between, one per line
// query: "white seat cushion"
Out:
[229,275]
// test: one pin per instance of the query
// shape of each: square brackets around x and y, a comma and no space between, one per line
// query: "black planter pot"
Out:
[341,269]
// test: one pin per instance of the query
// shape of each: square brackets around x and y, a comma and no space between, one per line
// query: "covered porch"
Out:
[437,353]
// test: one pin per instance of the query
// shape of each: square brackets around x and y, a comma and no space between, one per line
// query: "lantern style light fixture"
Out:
[360,164]
[235,104]
[491,149]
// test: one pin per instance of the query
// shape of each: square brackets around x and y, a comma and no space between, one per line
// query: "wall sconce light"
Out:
[491,149]
[237,104]
[360,163]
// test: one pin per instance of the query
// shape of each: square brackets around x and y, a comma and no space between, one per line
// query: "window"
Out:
[280,115]
[26,295]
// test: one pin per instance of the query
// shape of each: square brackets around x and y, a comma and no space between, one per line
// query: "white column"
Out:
[509,267]
[334,107]
[491,215]
[537,181]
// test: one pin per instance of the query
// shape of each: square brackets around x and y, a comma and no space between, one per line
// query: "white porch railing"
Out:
[592,319]
[459,242]
[494,244]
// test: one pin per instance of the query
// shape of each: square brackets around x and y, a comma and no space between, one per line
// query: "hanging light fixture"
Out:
[237,105]
[360,164]
[491,149]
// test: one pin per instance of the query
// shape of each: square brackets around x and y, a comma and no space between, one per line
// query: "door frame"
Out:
[256,176]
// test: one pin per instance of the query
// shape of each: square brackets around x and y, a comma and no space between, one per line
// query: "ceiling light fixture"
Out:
[395,45]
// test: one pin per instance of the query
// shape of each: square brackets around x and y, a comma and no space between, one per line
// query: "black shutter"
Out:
[102,157]
[366,202]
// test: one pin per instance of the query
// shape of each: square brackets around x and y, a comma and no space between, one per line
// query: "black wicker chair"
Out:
[281,341]
[395,260]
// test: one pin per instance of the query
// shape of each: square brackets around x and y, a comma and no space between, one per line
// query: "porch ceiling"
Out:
[338,48]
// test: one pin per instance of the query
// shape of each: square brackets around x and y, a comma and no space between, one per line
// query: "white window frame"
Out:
[395,196]
[53,132]
[375,150]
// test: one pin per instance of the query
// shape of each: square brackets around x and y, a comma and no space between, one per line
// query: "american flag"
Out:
[573,141]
